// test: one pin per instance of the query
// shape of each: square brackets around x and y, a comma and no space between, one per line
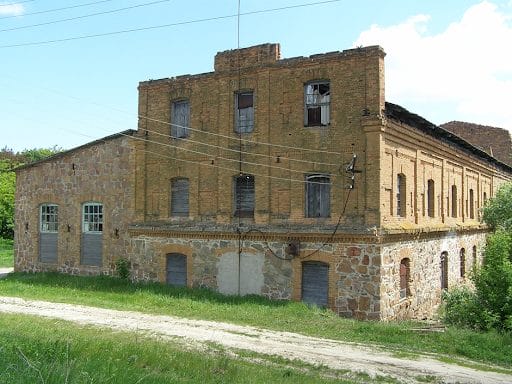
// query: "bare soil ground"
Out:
[333,354]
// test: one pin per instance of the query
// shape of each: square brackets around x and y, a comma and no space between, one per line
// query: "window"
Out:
[474,256]
[454,201]
[318,195]
[244,196]
[49,218]
[485,197]
[471,204]
[404,278]
[92,217]
[444,270]
[244,108]
[401,195]
[462,262]
[317,103]
[180,119]
[430,198]
[179,197]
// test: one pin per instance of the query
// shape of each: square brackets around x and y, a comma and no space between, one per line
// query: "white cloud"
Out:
[7,9]
[462,73]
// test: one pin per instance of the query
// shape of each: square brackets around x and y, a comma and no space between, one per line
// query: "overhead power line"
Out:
[57,9]
[15,3]
[83,16]
[44,42]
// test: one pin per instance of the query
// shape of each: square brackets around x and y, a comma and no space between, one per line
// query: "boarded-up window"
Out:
[318,195]
[430,198]
[244,196]
[180,119]
[48,232]
[92,236]
[244,108]
[462,262]
[177,269]
[317,99]
[444,270]
[179,197]
[404,278]
[401,195]
[315,283]
[454,201]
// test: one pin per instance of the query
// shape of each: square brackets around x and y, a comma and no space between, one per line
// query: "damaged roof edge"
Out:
[128,132]
[402,115]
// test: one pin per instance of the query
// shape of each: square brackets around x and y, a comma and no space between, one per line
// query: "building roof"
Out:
[128,132]
[402,115]
[495,141]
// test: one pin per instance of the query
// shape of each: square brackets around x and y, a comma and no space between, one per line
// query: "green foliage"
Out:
[497,212]
[123,268]
[36,154]
[156,298]
[6,253]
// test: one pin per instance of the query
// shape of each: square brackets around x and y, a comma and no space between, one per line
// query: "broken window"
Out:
[430,198]
[244,196]
[404,278]
[92,217]
[179,197]
[317,104]
[244,112]
[49,218]
[318,195]
[180,119]
[454,201]
[400,195]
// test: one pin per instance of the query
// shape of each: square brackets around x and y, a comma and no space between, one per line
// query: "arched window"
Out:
[401,195]
[454,201]
[462,262]
[404,278]
[430,198]
[444,270]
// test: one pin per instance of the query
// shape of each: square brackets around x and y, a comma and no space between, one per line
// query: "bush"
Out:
[123,268]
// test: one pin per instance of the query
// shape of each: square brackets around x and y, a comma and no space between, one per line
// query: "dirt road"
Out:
[331,353]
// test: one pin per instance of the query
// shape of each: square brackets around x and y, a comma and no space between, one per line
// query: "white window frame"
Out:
[92,221]
[313,99]
[49,220]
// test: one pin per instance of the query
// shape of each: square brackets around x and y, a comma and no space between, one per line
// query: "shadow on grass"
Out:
[116,285]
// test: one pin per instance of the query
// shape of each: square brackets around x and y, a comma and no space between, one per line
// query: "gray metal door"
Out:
[48,247]
[315,283]
[177,269]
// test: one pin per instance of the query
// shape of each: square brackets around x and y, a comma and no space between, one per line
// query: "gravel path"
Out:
[331,353]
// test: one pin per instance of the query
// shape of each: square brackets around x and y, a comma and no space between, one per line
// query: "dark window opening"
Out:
[462,262]
[430,198]
[244,196]
[318,196]
[471,204]
[180,119]
[244,112]
[454,201]
[404,278]
[444,270]
[401,195]
[317,104]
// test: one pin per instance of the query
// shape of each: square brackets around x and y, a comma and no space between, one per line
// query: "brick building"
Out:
[289,178]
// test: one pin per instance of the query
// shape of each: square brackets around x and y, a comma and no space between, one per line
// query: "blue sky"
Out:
[446,60]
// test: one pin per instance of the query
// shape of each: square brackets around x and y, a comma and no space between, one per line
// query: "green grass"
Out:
[156,298]
[35,350]
[6,253]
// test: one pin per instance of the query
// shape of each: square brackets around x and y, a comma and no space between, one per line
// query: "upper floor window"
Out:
[244,112]
[401,195]
[454,201]
[471,204]
[49,218]
[318,195]
[404,278]
[92,217]
[180,119]
[179,197]
[317,103]
[430,198]
[244,196]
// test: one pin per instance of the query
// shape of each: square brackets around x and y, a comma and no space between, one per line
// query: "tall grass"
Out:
[34,350]
[6,253]
[156,298]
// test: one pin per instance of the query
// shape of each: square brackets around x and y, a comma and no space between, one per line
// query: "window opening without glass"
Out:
[317,98]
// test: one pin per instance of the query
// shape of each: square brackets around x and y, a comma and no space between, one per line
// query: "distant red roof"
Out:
[495,141]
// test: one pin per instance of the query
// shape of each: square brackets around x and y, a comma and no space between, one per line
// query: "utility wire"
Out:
[57,9]
[15,3]
[84,16]
[43,42]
